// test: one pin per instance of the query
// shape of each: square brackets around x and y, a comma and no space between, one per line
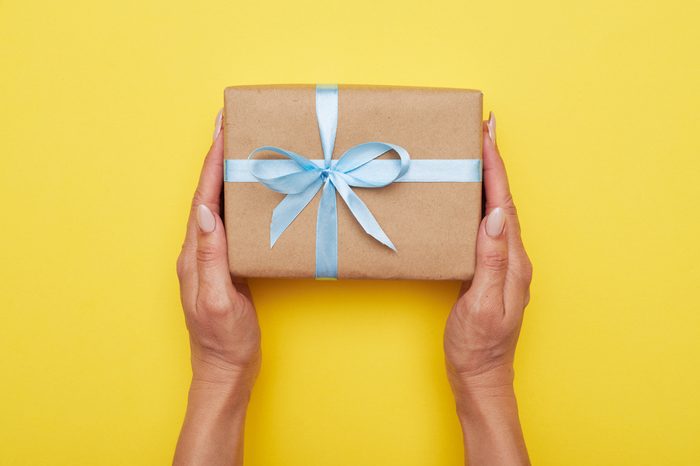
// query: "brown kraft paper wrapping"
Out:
[432,225]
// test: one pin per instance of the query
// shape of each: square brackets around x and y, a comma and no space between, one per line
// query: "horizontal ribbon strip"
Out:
[420,170]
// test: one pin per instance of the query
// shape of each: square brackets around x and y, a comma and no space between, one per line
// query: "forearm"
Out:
[212,433]
[488,414]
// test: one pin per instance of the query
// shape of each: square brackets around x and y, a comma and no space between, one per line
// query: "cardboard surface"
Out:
[432,225]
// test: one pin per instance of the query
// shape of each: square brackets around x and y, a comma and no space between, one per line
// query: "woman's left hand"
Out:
[221,319]
[223,327]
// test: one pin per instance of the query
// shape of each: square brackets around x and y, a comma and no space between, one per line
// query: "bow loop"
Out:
[356,158]
[295,182]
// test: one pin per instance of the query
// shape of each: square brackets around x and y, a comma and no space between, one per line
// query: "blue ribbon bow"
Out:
[301,179]
[302,184]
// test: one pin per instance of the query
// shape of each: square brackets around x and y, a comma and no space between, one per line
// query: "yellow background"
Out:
[106,110]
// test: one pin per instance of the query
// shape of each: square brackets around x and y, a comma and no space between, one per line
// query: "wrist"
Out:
[483,403]
[212,432]
[215,373]
[488,414]
[229,396]
[216,385]
[482,391]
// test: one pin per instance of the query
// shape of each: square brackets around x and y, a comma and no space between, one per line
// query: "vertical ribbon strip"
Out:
[301,179]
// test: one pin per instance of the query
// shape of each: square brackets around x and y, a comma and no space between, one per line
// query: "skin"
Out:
[224,334]
[480,335]
[483,328]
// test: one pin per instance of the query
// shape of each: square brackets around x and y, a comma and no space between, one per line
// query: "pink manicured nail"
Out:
[217,124]
[205,219]
[491,125]
[495,222]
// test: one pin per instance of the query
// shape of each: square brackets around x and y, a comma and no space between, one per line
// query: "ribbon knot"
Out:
[302,180]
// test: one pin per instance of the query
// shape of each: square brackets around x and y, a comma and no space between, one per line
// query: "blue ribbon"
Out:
[301,179]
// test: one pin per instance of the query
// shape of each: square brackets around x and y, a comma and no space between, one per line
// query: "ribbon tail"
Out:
[289,208]
[362,213]
[327,234]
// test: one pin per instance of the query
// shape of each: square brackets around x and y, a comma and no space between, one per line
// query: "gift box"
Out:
[351,181]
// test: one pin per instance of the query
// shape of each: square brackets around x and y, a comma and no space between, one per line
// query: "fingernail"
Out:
[495,222]
[217,124]
[205,219]
[491,124]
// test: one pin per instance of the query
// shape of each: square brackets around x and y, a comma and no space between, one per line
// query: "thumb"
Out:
[212,260]
[491,253]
